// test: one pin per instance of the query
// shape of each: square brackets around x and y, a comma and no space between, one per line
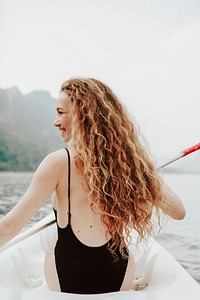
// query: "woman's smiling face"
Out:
[63,120]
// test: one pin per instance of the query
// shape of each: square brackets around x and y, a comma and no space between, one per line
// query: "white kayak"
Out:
[158,275]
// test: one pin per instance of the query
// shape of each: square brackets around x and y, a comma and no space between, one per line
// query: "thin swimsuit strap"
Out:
[69,169]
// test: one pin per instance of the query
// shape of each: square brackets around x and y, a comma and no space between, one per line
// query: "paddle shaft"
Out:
[29,233]
[180,155]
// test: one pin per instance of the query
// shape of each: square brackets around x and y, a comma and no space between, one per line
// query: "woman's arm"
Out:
[172,204]
[42,186]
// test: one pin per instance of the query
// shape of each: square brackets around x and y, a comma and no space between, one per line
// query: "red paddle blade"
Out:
[191,149]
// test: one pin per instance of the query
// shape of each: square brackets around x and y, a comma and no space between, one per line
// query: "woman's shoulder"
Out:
[56,158]
[57,155]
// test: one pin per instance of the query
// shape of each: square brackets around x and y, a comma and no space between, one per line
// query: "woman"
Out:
[103,186]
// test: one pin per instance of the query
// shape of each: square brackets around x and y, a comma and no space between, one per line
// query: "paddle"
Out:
[180,155]
[46,222]
[49,220]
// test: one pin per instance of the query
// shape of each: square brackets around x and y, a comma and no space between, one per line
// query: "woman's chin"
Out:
[67,140]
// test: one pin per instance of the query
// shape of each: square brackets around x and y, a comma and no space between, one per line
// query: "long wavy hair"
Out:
[121,178]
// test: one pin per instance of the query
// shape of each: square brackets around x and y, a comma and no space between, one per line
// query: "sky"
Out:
[147,51]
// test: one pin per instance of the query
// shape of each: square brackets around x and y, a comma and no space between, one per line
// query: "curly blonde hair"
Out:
[121,178]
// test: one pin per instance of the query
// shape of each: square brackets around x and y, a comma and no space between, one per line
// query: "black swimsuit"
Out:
[82,269]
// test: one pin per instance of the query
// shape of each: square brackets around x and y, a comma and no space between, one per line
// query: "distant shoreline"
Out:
[17,172]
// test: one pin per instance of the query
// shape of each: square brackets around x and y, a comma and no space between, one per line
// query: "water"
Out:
[180,238]
[12,187]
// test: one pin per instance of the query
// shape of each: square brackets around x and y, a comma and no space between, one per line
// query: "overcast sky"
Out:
[148,52]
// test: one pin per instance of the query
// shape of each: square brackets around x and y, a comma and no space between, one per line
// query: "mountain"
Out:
[27,133]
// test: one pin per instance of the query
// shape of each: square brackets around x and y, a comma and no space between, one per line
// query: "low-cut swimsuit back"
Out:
[83,269]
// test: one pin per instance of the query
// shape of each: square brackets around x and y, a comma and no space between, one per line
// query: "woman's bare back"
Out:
[86,221]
